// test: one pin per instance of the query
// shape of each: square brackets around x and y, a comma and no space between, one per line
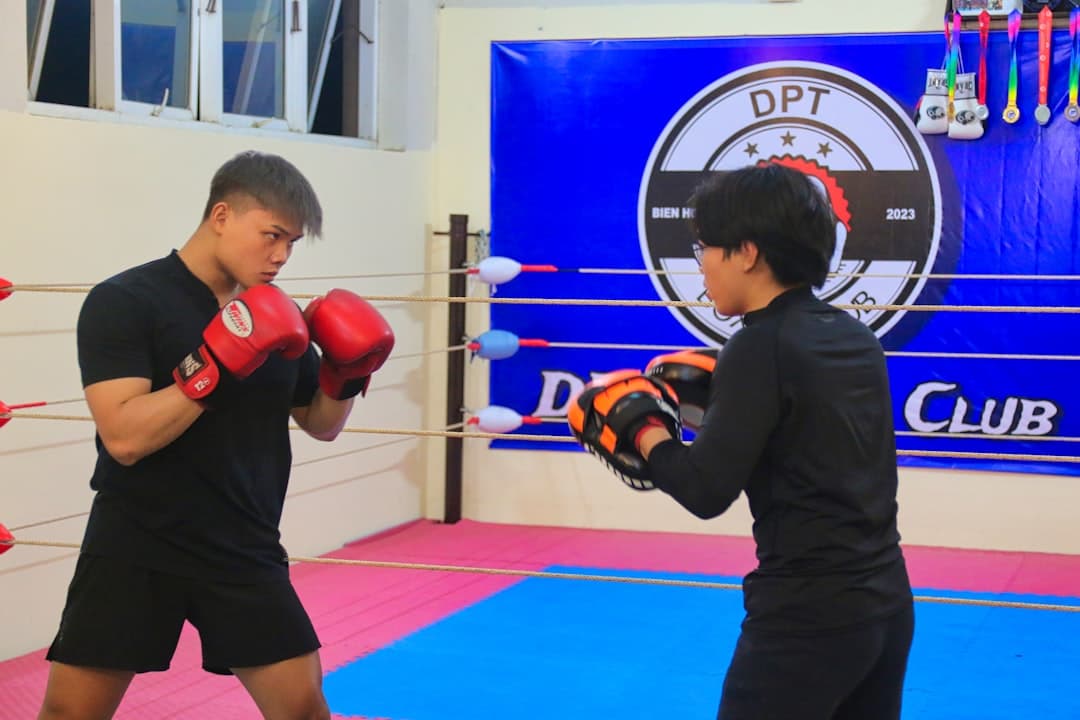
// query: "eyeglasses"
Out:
[699,252]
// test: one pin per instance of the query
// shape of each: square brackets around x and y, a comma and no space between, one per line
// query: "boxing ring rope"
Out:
[463,434]
[671,348]
[621,579]
[84,287]
[909,276]
[601,302]
[425,353]
[50,521]
[924,434]
[888,353]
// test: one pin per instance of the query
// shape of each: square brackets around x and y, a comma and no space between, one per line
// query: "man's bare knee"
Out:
[69,708]
[311,705]
[78,693]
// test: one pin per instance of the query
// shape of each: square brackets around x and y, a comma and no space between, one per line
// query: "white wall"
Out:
[13,55]
[84,198]
[962,509]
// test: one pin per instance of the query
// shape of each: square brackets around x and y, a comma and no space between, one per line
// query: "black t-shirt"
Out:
[208,504]
[800,419]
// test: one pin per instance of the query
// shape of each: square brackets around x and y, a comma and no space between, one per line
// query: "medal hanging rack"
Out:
[1029,17]
[961,125]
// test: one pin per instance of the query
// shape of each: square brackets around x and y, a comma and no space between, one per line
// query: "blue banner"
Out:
[597,144]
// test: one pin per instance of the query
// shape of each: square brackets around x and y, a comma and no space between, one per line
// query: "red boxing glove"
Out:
[255,323]
[355,340]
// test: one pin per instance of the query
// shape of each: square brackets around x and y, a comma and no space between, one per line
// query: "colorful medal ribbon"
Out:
[1072,112]
[982,111]
[1046,19]
[954,60]
[1012,112]
[948,39]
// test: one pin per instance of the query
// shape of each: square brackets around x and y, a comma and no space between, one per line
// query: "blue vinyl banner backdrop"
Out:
[596,146]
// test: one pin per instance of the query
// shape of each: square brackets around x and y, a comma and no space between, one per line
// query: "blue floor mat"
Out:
[547,648]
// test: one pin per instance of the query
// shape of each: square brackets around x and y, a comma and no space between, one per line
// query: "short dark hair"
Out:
[271,181]
[777,208]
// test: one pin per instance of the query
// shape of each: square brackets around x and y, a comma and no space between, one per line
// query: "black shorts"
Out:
[124,617]
[855,674]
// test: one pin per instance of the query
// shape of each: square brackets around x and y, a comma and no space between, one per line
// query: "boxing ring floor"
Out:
[410,644]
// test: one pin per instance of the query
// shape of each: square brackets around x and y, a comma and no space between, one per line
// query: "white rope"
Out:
[898,276]
[567,439]
[602,302]
[425,353]
[888,353]
[374,276]
[1001,277]
[591,577]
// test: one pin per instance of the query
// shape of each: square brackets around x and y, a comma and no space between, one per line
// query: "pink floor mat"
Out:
[359,609]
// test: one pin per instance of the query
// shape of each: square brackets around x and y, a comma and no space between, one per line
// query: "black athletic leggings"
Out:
[856,674]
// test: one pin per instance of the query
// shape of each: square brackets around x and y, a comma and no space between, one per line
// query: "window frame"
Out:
[36,53]
[302,88]
[106,91]
[360,96]
[294,80]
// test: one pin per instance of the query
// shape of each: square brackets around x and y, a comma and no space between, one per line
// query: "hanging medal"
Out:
[1046,19]
[1072,112]
[1012,112]
[982,111]
[952,66]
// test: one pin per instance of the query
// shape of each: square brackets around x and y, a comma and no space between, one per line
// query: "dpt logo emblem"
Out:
[850,136]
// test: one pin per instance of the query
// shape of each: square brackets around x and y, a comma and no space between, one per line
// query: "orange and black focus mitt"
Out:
[688,373]
[608,414]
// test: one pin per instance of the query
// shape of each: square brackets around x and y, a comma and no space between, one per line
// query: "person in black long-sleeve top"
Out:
[799,418]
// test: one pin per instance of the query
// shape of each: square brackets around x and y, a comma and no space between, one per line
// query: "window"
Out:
[325,71]
[344,71]
[59,52]
[147,60]
[299,65]
[253,58]
[360,72]
[323,31]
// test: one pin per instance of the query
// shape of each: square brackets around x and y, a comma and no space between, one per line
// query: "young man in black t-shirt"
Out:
[192,366]
[798,416]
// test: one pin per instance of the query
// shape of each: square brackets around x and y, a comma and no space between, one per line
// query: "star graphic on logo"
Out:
[824,149]
[788,138]
[751,149]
